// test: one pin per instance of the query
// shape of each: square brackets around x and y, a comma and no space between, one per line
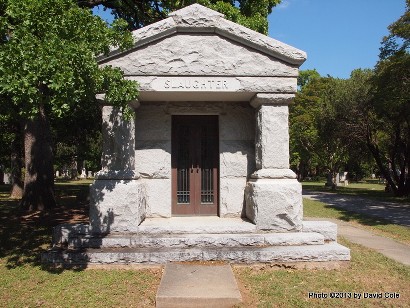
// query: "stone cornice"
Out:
[198,19]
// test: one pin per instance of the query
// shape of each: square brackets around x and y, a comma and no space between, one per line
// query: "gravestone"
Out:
[7,178]
[83,173]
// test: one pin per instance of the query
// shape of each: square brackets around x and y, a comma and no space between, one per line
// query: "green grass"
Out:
[28,286]
[367,190]
[368,271]
[312,208]
[25,283]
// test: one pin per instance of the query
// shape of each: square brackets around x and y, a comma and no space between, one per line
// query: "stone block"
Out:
[152,123]
[64,232]
[118,140]
[272,137]
[274,204]
[117,205]
[231,196]
[153,159]
[237,122]
[326,228]
[237,158]
[158,196]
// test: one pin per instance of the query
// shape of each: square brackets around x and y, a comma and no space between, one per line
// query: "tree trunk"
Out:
[39,178]
[376,155]
[16,164]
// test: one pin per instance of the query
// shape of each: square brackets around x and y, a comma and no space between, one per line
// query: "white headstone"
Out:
[83,173]
[57,174]
[90,174]
[7,179]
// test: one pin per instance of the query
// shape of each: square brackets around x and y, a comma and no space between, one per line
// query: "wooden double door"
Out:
[195,160]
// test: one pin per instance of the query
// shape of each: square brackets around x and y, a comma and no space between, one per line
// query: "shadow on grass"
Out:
[380,195]
[362,206]
[23,237]
[347,216]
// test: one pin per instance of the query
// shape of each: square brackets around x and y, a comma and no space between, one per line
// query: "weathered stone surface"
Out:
[272,137]
[237,158]
[152,123]
[273,174]
[196,224]
[63,232]
[232,202]
[237,122]
[271,99]
[158,197]
[278,254]
[293,239]
[117,205]
[196,54]
[196,18]
[194,240]
[153,159]
[327,252]
[326,228]
[274,204]
[260,42]
[118,140]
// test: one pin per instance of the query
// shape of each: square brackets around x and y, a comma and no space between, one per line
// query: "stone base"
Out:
[273,254]
[116,205]
[274,204]
[164,240]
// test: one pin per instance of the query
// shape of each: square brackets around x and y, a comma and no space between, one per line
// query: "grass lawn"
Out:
[25,283]
[368,190]
[368,272]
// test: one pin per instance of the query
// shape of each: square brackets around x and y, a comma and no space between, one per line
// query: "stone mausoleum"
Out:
[202,172]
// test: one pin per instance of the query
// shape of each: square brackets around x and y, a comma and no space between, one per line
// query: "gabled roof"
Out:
[199,19]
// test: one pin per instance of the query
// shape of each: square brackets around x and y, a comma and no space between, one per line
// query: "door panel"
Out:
[195,155]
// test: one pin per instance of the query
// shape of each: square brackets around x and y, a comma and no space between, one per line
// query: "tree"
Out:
[138,13]
[317,136]
[47,68]
[390,144]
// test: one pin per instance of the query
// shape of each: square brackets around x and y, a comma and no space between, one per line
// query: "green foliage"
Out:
[314,129]
[327,124]
[398,41]
[391,106]
[249,13]
[47,56]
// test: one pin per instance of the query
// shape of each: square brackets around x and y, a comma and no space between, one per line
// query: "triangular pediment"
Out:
[199,41]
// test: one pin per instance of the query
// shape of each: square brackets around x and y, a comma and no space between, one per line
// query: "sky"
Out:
[337,35]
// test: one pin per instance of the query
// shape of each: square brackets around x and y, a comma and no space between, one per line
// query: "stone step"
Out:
[197,240]
[196,224]
[75,234]
[328,252]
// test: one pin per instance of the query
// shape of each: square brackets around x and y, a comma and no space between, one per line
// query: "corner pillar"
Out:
[117,197]
[273,195]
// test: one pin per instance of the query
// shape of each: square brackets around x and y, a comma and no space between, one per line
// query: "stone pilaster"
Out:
[118,140]
[273,195]
[117,196]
